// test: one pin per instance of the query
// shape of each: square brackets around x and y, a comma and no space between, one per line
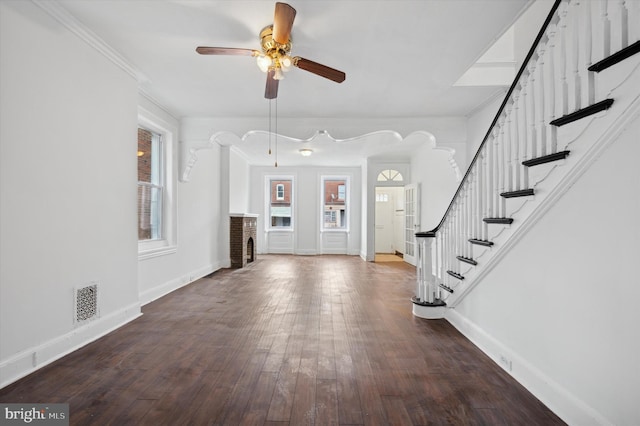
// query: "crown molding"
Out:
[92,39]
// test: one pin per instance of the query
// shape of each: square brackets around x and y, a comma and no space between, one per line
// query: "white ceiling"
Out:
[401,58]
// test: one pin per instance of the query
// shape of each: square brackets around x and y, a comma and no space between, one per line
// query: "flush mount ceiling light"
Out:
[305,152]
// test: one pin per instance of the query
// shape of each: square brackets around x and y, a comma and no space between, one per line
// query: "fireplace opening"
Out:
[250,250]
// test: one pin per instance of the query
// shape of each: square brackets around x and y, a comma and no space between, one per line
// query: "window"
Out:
[334,205]
[150,185]
[280,206]
[390,175]
[156,189]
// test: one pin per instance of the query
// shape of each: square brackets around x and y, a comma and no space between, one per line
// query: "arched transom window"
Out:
[390,175]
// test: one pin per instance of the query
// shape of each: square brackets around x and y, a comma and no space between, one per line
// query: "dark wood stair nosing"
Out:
[560,155]
[518,193]
[498,220]
[467,260]
[582,113]
[449,289]
[613,59]
[481,242]
[455,275]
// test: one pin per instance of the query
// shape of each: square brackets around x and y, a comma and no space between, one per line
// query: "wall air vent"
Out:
[86,303]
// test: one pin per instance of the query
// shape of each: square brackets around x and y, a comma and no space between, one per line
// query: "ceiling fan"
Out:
[274,57]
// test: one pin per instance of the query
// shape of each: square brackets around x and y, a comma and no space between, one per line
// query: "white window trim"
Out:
[347,202]
[167,245]
[267,204]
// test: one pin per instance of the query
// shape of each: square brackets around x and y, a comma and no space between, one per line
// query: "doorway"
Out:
[389,223]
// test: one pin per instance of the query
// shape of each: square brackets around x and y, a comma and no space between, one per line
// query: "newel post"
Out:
[426,301]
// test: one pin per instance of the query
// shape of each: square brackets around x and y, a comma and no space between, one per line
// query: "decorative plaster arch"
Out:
[378,144]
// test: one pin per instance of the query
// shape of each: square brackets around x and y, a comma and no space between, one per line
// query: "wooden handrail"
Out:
[523,67]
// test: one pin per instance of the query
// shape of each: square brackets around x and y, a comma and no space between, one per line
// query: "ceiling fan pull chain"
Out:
[276,135]
[269,126]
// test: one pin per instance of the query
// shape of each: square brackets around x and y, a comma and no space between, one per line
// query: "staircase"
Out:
[579,85]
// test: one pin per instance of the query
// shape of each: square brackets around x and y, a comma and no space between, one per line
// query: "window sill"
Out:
[155,249]
[279,230]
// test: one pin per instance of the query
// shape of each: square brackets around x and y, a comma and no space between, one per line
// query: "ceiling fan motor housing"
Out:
[272,48]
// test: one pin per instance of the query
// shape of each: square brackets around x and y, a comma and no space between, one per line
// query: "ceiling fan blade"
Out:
[282,22]
[319,69]
[271,90]
[203,50]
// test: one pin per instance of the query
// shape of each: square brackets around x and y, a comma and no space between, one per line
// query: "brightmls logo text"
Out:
[36,414]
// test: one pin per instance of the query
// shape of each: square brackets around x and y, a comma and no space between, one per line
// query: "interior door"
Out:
[384,220]
[411,221]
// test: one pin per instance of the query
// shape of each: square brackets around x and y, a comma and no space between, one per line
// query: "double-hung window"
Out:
[335,205]
[280,202]
[151,185]
[156,190]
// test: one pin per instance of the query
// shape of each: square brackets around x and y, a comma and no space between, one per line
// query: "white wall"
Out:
[67,188]
[239,188]
[562,305]
[438,176]
[306,237]
[201,239]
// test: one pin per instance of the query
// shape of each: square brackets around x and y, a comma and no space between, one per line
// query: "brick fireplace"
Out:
[242,238]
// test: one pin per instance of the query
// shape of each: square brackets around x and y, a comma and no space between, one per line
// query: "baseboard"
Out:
[163,289]
[564,404]
[306,252]
[36,357]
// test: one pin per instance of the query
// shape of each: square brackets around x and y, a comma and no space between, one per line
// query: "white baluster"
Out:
[617,16]
[533,102]
[606,28]
[551,142]
[481,204]
[587,49]
[490,174]
[575,82]
[507,146]
[563,95]
[515,138]
[525,131]
[541,116]
[633,15]
[495,135]
[501,167]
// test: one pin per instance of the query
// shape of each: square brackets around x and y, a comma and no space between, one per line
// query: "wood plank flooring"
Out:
[289,340]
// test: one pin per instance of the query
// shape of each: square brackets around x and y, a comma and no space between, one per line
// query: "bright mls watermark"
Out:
[34,414]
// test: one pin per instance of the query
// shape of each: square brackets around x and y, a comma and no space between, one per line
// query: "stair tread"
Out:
[467,260]
[447,288]
[499,220]
[455,275]
[481,242]
[518,193]
[613,59]
[560,155]
[582,113]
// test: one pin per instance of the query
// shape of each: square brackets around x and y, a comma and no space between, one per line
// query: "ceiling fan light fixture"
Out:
[278,75]
[286,62]
[264,62]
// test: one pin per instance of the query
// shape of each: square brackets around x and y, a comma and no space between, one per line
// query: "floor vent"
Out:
[86,303]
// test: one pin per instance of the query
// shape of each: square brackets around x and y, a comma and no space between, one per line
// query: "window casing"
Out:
[335,203]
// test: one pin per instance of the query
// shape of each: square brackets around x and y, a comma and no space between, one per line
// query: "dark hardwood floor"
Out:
[290,340]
